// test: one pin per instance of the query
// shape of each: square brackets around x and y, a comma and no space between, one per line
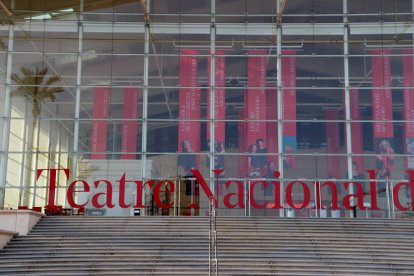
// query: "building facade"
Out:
[319,91]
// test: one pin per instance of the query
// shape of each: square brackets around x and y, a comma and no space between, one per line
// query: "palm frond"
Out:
[52,80]
[22,92]
[48,95]
[34,89]
[55,90]
[17,79]
[26,71]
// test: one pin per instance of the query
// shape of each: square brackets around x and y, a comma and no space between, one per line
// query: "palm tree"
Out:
[35,89]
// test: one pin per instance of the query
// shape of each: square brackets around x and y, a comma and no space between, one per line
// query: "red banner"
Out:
[100,127]
[130,127]
[382,94]
[289,92]
[408,95]
[256,97]
[189,109]
[332,139]
[256,113]
[289,107]
[272,145]
[220,98]
[356,131]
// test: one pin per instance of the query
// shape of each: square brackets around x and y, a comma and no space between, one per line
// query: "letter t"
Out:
[52,183]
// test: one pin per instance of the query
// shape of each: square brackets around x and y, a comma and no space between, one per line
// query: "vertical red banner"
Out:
[256,112]
[408,95]
[100,127]
[189,111]
[220,98]
[382,94]
[356,131]
[130,123]
[289,107]
[382,112]
[271,127]
[332,139]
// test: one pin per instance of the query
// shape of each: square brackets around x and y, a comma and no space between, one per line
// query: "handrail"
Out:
[213,263]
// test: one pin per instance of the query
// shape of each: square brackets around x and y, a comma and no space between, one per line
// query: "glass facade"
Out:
[320,91]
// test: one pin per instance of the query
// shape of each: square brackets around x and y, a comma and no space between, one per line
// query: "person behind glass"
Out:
[261,150]
[289,160]
[219,161]
[187,161]
[410,153]
[384,163]
[208,157]
[252,162]
[271,168]
[356,175]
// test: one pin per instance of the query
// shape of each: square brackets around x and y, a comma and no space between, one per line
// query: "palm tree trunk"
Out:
[29,164]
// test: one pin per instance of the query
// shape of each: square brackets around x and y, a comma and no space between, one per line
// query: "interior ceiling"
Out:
[26,8]
[23,8]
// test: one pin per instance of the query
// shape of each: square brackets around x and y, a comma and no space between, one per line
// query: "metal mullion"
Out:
[58,156]
[36,154]
[213,260]
[145,98]
[77,96]
[24,150]
[212,94]
[279,108]
[347,101]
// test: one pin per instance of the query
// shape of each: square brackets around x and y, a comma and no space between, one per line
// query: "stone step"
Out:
[332,256]
[179,246]
[253,236]
[109,260]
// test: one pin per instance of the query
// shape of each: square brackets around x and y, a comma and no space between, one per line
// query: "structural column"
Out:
[212,85]
[78,95]
[279,106]
[6,119]
[145,96]
[347,100]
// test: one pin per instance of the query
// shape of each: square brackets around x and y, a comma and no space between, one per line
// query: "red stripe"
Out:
[100,127]
[130,128]
[382,94]
[189,102]
[289,92]
[256,97]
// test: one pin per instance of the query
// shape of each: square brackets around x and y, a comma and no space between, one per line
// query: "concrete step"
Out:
[179,246]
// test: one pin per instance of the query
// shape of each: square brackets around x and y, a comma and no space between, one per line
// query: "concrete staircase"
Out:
[179,246]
